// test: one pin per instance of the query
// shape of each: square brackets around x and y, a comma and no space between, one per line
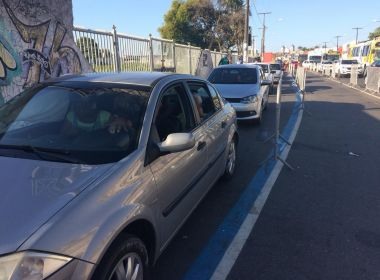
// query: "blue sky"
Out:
[302,23]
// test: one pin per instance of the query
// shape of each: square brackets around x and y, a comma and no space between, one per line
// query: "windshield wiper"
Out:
[44,153]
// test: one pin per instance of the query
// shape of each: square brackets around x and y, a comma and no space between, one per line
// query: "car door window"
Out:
[174,112]
[203,100]
[215,97]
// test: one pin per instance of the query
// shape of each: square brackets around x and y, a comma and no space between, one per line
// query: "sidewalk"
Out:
[322,220]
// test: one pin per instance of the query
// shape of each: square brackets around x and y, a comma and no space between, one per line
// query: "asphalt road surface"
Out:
[322,220]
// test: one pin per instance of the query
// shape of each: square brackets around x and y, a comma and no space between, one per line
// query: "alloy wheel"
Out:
[130,267]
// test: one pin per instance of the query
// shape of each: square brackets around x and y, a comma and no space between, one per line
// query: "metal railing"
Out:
[114,52]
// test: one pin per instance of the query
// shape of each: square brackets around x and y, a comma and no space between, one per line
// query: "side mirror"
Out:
[266,83]
[177,142]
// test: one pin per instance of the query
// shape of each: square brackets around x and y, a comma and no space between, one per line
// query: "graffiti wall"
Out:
[36,43]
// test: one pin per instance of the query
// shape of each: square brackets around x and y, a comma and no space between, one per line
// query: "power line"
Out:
[257,13]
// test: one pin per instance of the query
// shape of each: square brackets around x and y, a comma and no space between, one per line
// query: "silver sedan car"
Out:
[245,87]
[98,172]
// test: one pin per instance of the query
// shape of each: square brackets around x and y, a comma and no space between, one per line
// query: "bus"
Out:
[316,58]
[331,56]
[365,52]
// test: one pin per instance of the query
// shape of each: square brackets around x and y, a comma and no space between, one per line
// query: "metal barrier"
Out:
[98,48]
[134,53]
[113,52]
[373,79]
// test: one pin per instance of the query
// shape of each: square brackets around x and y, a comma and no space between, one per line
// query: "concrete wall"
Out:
[36,43]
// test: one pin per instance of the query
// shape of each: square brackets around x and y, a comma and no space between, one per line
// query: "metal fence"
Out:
[114,52]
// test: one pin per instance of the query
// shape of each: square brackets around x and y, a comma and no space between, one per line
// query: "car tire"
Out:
[126,251]
[231,161]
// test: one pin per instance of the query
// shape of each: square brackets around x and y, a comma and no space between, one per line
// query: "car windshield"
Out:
[349,62]
[234,76]
[327,62]
[377,55]
[275,66]
[80,123]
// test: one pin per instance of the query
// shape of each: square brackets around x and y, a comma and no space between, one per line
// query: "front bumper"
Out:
[246,111]
[346,71]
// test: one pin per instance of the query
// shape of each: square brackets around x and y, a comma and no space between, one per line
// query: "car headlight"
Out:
[249,99]
[30,265]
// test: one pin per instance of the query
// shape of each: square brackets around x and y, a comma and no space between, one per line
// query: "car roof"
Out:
[245,65]
[136,78]
[262,63]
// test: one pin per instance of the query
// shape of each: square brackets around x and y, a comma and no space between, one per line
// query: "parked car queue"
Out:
[109,142]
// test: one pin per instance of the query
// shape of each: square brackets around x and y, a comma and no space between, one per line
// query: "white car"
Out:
[268,73]
[307,64]
[276,70]
[327,64]
[343,67]
[245,87]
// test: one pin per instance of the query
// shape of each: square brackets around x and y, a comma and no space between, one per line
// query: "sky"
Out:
[304,23]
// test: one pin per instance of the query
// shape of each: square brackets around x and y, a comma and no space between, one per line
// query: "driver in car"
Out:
[85,116]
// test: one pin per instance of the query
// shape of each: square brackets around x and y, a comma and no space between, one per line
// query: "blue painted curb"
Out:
[205,265]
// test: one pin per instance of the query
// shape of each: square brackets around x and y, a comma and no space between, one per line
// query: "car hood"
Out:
[237,90]
[33,191]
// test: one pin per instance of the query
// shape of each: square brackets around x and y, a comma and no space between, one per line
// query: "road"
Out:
[321,220]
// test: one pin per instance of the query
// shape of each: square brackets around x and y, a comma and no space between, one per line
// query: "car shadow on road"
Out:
[312,89]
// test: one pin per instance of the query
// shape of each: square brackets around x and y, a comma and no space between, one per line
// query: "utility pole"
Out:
[253,45]
[337,41]
[245,43]
[323,55]
[357,32]
[263,36]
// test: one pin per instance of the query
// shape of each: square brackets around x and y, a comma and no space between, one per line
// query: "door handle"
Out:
[224,124]
[201,145]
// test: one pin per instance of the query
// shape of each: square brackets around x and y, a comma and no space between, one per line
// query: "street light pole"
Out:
[337,41]
[357,32]
[245,43]
[263,36]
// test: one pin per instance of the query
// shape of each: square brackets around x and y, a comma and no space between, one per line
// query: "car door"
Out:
[215,124]
[264,90]
[178,176]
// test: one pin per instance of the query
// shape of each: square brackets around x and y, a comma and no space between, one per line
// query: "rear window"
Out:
[233,76]
[349,62]
[264,67]
[275,67]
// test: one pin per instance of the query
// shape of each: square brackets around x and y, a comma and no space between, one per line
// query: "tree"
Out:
[205,23]
[374,34]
